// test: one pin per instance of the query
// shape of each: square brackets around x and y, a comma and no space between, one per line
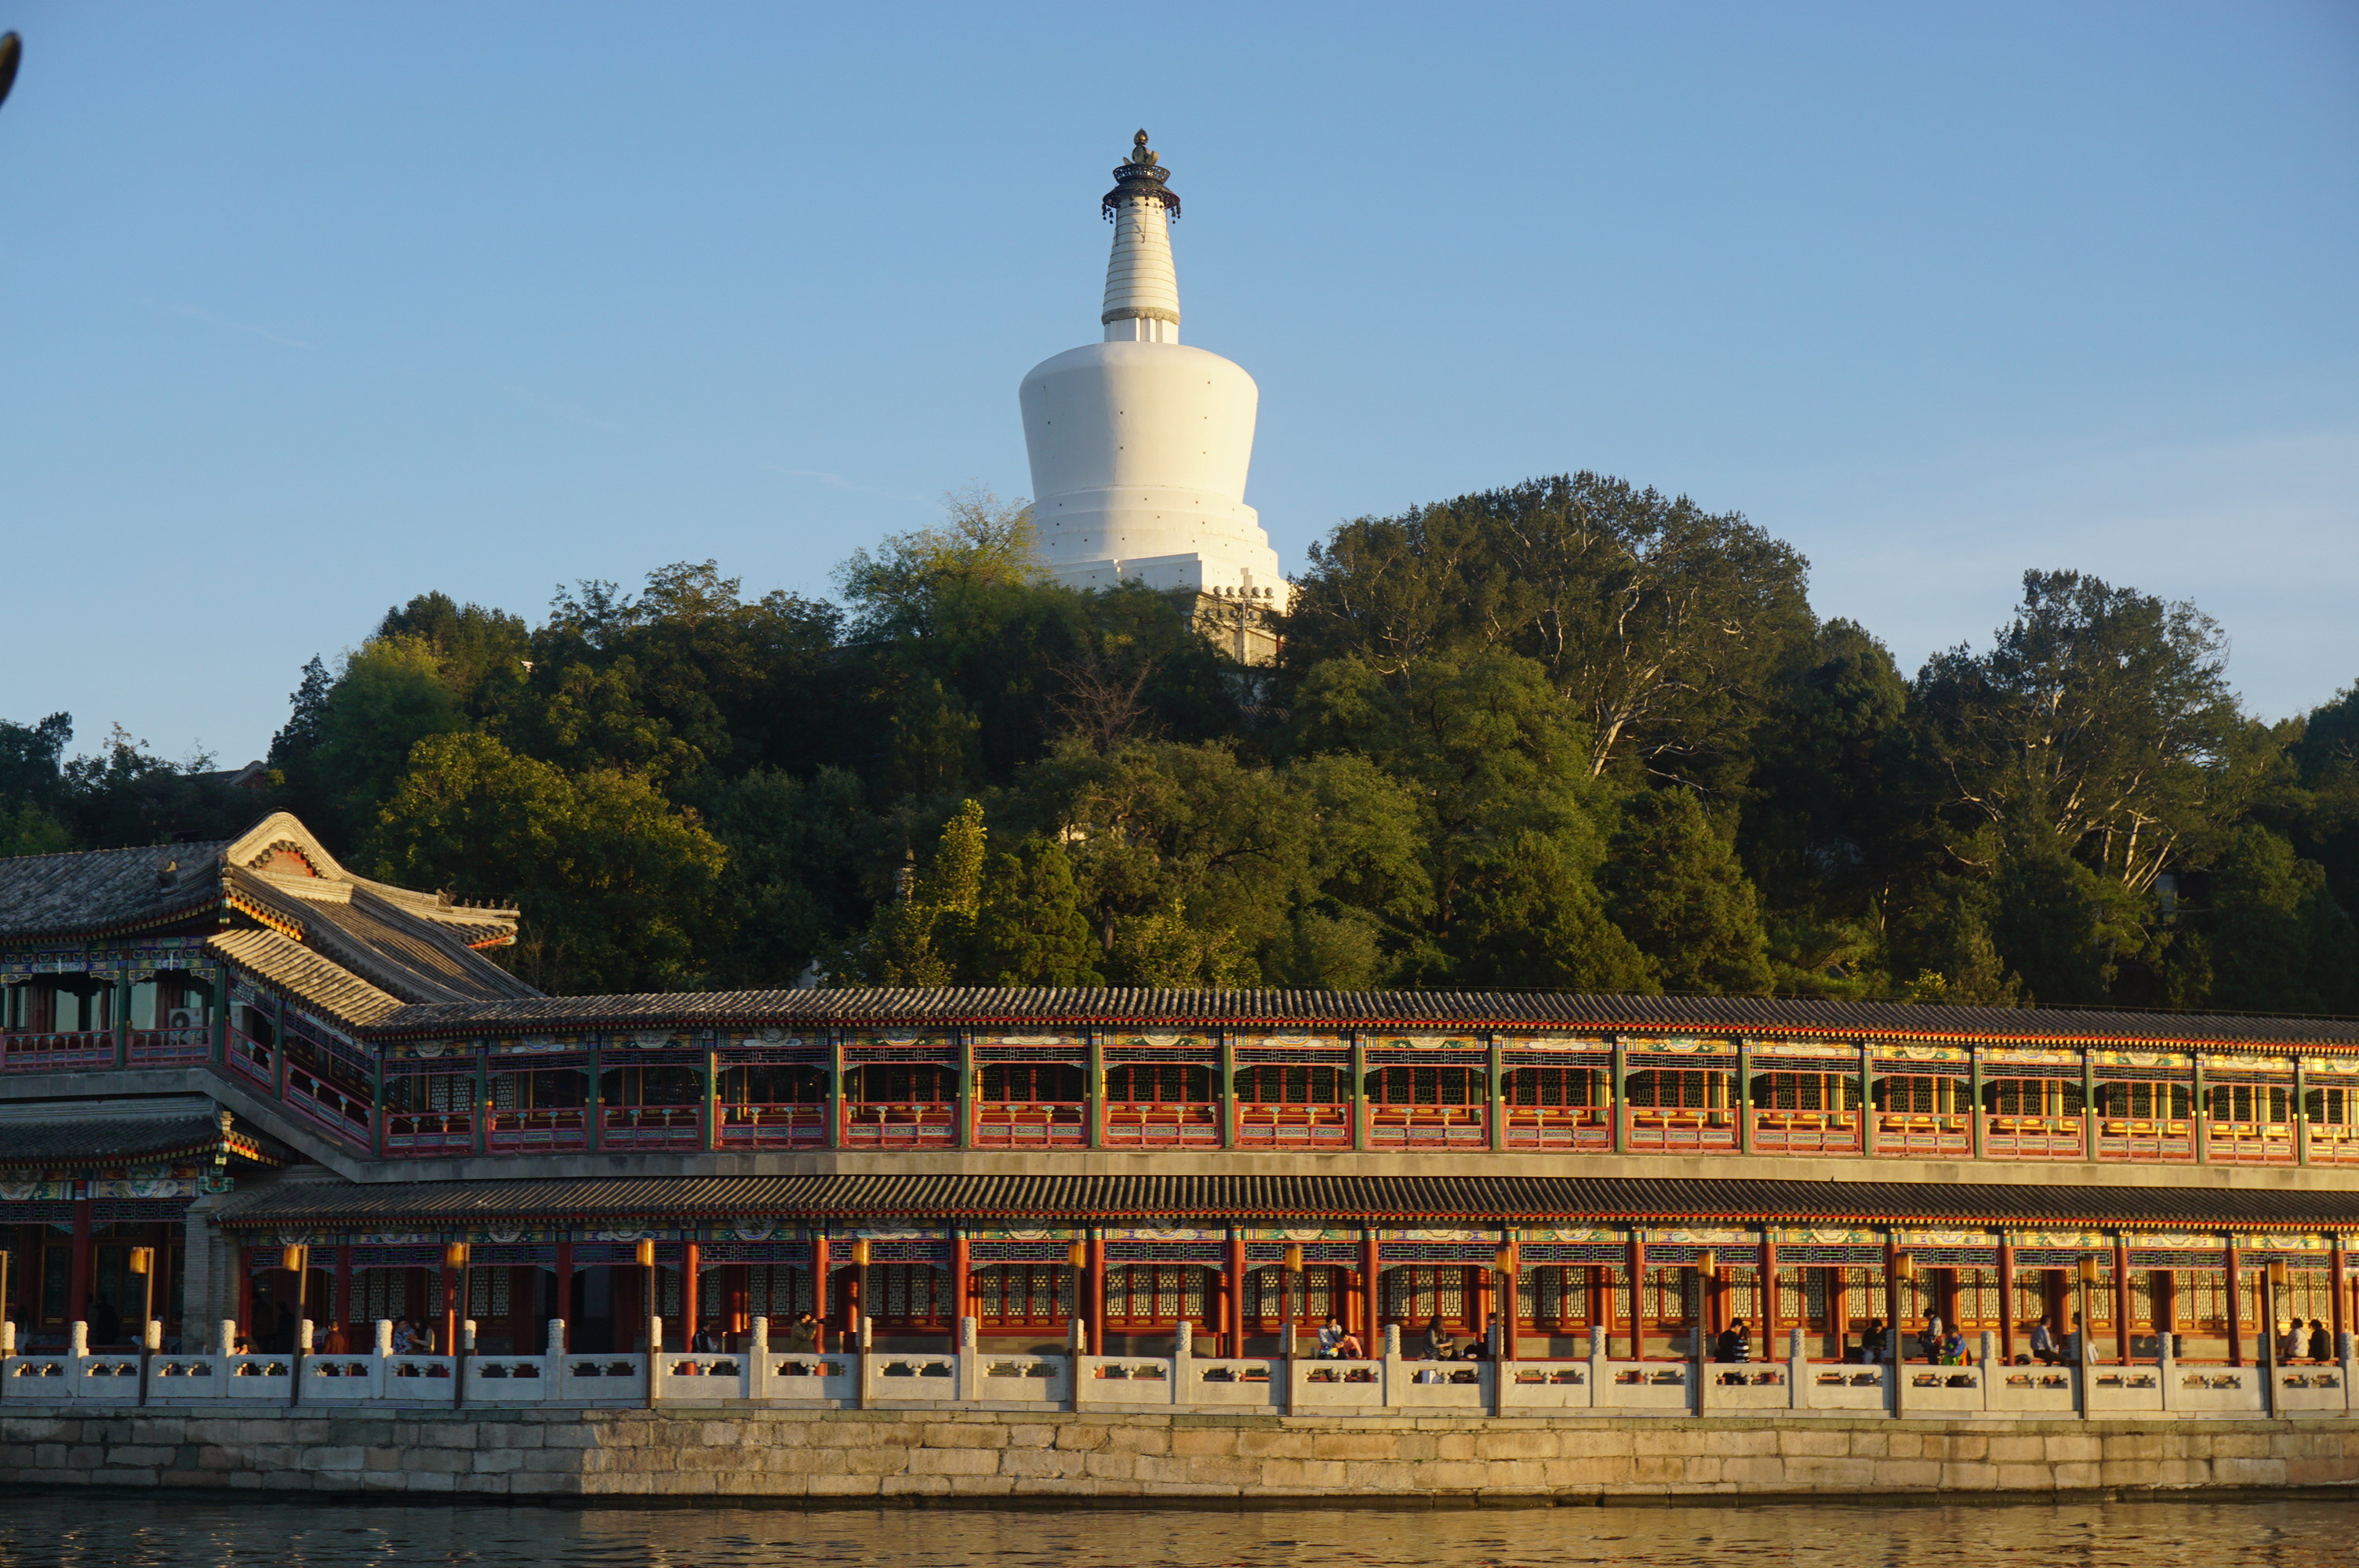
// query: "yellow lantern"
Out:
[1905,1266]
[1078,1254]
[645,1254]
[1294,1259]
[454,1256]
[291,1258]
[2089,1268]
[1708,1263]
[860,1251]
[2276,1273]
[142,1258]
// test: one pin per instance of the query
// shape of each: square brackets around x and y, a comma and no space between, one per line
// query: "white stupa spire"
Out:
[1142,291]
[1140,443]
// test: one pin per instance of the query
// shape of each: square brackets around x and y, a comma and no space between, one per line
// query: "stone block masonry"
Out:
[819,1457]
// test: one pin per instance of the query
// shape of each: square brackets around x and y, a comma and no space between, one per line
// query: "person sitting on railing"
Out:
[405,1337]
[1331,1338]
[2321,1344]
[1733,1344]
[1438,1345]
[1953,1347]
[803,1335]
[2292,1344]
[2044,1346]
[1871,1344]
[1929,1342]
[1349,1349]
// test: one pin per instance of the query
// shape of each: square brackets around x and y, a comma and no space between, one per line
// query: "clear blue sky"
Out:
[306,309]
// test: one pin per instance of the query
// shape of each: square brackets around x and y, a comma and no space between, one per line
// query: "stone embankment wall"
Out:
[824,1457]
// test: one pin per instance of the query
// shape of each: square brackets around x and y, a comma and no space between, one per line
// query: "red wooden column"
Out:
[1637,1297]
[691,1258]
[564,1286]
[2339,1275]
[2007,1298]
[819,1286]
[1096,1307]
[447,1345]
[2122,1298]
[1237,1325]
[962,1282]
[2237,1307]
[78,1287]
[1771,1348]
[1372,1331]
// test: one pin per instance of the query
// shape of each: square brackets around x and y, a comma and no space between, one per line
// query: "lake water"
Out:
[116,1532]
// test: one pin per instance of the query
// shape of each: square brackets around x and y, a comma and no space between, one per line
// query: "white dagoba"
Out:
[1140,444]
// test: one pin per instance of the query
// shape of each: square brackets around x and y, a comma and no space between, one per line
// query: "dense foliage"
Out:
[1566,734]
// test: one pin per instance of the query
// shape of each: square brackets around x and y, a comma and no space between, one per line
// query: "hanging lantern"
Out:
[645,1254]
[1078,1254]
[1708,1263]
[291,1258]
[860,1252]
[143,1258]
[454,1256]
[1905,1266]
[1294,1259]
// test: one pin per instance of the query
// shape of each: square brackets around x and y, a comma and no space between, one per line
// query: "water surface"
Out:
[51,1532]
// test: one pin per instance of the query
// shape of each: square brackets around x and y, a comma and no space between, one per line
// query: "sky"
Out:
[308,308]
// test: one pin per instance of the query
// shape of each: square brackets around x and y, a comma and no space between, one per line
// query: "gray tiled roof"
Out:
[78,1141]
[1501,1200]
[295,969]
[103,890]
[1409,1010]
[412,956]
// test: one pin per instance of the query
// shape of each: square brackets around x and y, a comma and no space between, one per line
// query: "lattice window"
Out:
[2250,1102]
[1316,1291]
[1806,1091]
[1271,1085]
[2034,1097]
[1426,1086]
[2030,1297]
[380,1293]
[2142,1300]
[1977,1297]
[487,1293]
[777,1290]
[894,1083]
[1553,1295]
[908,1293]
[1918,1094]
[1670,1296]
[1744,1292]
[1154,1293]
[1417,1296]
[1680,1088]
[1555,1086]
[2307,1294]
[2331,1107]
[1032,1082]
[1159,1082]
[773,1083]
[1024,1292]
[2145,1101]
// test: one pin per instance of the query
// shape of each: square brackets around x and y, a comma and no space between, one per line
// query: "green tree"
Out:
[389,697]
[616,883]
[1674,887]
[1031,930]
[2279,941]
[1662,625]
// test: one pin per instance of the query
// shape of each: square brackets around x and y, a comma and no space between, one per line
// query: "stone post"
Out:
[1600,1374]
[225,1339]
[1183,1364]
[78,1341]
[1797,1371]
[864,1336]
[552,1360]
[1391,1352]
[2168,1361]
[759,1368]
[969,1362]
[2346,1350]
[1990,1365]
[384,1343]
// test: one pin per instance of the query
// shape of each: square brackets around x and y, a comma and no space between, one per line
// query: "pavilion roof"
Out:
[1412,1010]
[1368,1200]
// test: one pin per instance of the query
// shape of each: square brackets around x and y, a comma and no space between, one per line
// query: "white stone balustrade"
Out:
[975,1377]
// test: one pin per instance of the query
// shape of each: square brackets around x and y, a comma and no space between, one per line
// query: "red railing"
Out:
[1031,1124]
[1146,1125]
[1925,1132]
[59,1053]
[877,1124]
[170,1047]
[553,1131]
[252,1059]
[1653,1129]
[1559,1127]
[773,1126]
[651,1127]
[2032,1137]
[424,1133]
[2334,1143]
[1806,1131]
[2252,1143]
[338,1109]
[1428,1127]
[2151,1140]
[1294,1126]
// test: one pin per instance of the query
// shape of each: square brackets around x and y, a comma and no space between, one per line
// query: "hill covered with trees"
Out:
[1569,733]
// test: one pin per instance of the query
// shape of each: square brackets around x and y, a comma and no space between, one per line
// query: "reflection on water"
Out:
[116,1532]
